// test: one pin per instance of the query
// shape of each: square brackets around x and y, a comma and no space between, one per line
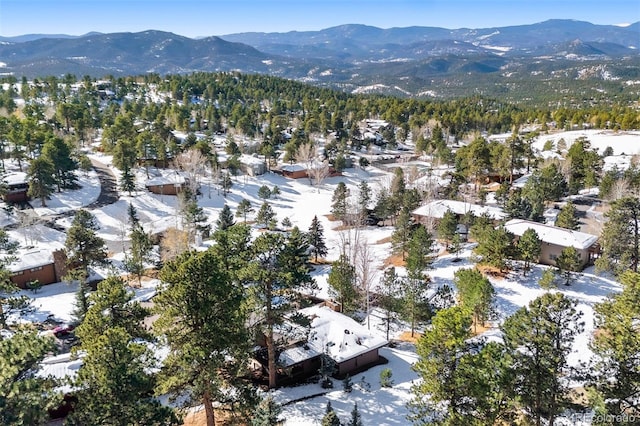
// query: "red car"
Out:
[63,330]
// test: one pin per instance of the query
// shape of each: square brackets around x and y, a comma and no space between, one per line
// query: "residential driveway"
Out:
[108,185]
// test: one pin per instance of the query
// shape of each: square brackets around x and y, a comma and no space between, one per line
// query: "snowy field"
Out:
[300,202]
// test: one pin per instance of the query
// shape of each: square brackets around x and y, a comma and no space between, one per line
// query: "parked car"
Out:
[63,330]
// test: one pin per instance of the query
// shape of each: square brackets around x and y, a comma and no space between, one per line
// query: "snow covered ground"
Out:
[300,202]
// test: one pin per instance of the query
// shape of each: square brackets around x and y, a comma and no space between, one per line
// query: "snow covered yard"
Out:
[300,202]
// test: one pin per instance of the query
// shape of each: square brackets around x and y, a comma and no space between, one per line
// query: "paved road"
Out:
[108,186]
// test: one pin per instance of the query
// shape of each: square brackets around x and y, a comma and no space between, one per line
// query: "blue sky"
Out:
[194,18]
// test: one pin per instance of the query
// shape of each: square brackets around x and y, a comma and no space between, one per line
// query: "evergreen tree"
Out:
[225,219]
[620,238]
[330,417]
[264,192]
[539,337]
[529,248]
[286,223]
[341,282]
[24,396]
[41,179]
[385,378]
[339,201]
[476,294]
[364,198]
[347,384]
[547,279]
[402,233]
[356,419]
[389,297]
[616,345]
[447,227]
[316,239]
[267,413]
[58,152]
[244,207]
[278,272]
[203,319]
[495,248]
[567,217]
[265,215]
[84,247]
[419,255]
[568,263]
[440,395]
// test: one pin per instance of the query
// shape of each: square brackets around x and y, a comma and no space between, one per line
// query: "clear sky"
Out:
[196,18]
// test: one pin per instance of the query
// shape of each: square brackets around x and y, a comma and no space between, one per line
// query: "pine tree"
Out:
[529,248]
[389,297]
[347,384]
[267,413]
[419,254]
[330,417]
[278,272]
[41,180]
[265,215]
[402,233]
[568,263]
[539,337]
[114,386]
[225,219]
[341,282]
[356,419]
[440,350]
[620,238]
[316,239]
[244,207]
[264,192]
[385,378]
[495,248]
[339,201]
[447,227]
[209,348]
[127,181]
[547,279]
[84,247]
[567,217]
[616,378]
[364,198]
[476,294]
[140,253]
[24,396]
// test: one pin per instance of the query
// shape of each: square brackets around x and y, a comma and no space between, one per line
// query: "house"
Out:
[17,187]
[349,344]
[170,184]
[252,166]
[294,171]
[555,239]
[436,210]
[46,263]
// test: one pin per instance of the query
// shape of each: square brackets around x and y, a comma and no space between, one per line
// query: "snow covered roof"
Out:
[174,178]
[552,234]
[337,334]
[41,242]
[250,159]
[293,167]
[15,178]
[438,208]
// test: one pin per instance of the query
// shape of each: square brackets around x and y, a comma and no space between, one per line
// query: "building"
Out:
[252,166]
[170,184]
[17,187]
[435,210]
[350,345]
[555,239]
[45,263]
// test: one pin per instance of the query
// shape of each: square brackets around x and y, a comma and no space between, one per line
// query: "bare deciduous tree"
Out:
[173,244]
[191,162]
[307,154]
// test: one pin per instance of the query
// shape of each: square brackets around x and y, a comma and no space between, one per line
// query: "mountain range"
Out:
[411,61]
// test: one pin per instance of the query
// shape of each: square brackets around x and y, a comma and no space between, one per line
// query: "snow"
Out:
[437,209]
[340,336]
[300,202]
[622,142]
[552,234]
